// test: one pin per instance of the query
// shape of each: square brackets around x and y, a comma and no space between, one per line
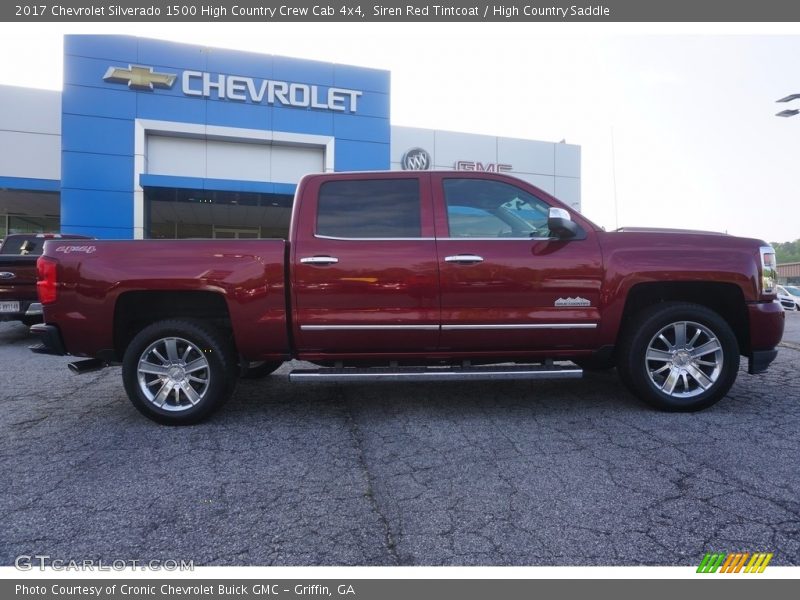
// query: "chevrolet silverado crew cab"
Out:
[415,276]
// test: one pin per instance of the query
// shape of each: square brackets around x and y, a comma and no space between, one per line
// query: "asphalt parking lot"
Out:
[511,473]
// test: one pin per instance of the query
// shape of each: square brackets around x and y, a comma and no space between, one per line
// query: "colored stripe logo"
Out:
[735,562]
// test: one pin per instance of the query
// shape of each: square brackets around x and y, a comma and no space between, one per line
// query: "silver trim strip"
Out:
[522,326]
[373,239]
[447,327]
[432,239]
[496,239]
[368,327]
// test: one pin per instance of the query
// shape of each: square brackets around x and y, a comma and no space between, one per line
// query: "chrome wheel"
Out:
[173,374]
[684,359]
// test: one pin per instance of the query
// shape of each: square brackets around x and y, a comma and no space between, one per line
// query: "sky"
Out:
[676,124]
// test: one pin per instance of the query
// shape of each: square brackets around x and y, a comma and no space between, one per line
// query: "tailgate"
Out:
[17,285]
[17,270]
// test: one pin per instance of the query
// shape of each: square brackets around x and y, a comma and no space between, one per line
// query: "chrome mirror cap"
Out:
[560,224]
[558,213]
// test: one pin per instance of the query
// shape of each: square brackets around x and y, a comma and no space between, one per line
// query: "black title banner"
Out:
[255,11]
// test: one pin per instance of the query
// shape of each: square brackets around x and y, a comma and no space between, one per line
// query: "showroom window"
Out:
[178,213]
[24,211]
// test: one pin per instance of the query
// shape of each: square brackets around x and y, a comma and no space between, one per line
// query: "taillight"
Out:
[46,284]
[769,270]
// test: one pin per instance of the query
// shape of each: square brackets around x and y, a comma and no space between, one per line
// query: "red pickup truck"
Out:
[415,276]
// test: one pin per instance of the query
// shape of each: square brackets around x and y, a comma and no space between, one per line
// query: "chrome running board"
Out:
[492,373]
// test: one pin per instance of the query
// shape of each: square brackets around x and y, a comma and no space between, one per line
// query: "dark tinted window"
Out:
[23,244]
[487,208]
[374,208]
[33,244]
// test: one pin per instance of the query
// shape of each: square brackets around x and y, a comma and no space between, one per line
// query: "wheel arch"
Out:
[725,299]
[135,310]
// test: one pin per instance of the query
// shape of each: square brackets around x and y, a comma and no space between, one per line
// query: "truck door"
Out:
[364,266]
[506,285]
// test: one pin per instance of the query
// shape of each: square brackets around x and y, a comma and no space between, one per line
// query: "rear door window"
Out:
[369,208]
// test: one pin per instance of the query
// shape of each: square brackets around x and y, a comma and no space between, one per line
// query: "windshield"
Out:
[794,291]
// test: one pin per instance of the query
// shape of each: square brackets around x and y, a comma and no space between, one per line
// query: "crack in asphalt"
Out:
[363,465]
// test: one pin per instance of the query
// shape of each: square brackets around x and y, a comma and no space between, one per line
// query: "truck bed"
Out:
[143,275]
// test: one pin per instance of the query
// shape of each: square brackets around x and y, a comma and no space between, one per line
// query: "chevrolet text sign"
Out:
[231,87]
[243,89]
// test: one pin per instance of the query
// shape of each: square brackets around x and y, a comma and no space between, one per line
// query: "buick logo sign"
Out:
[416,159]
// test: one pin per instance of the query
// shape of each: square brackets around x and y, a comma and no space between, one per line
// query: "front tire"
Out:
[679,357]
[178,372]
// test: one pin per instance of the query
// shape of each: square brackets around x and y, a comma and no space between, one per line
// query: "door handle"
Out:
[319,260]
[464,258]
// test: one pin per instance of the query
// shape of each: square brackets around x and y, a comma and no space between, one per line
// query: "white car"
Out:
[789,297]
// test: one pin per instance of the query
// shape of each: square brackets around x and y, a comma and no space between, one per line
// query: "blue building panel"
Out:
[91,171]
[108,47]
[32,184]
[181,109]
[98,119]
[296,70]
[97,134]
[239,114]
[361,156]
[98,102]
[353,127]
[234,62]
[222,185]
[171,181]
[111,213]
[373,104]
[172,55]
[299,120]
[85,71]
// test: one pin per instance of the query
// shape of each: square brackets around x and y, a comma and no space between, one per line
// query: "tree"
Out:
[787,252]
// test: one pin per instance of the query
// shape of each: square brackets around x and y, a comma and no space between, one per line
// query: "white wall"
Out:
[553,167]
[30,133]
[216,159]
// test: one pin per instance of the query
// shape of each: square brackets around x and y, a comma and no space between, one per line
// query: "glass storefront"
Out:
[29,212]
[177,213]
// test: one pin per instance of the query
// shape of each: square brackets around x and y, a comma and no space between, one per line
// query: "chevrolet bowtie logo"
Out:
[139,78]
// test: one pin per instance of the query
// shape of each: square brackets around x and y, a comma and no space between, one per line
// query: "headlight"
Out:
[769,270]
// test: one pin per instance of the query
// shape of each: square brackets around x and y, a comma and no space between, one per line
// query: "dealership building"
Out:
[151,139]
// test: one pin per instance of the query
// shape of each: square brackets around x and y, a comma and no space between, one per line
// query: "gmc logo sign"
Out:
[470,165]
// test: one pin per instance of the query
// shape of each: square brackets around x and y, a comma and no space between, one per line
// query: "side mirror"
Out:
[560,224]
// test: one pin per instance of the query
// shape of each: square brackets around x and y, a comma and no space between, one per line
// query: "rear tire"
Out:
[178,372]
[679,357]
